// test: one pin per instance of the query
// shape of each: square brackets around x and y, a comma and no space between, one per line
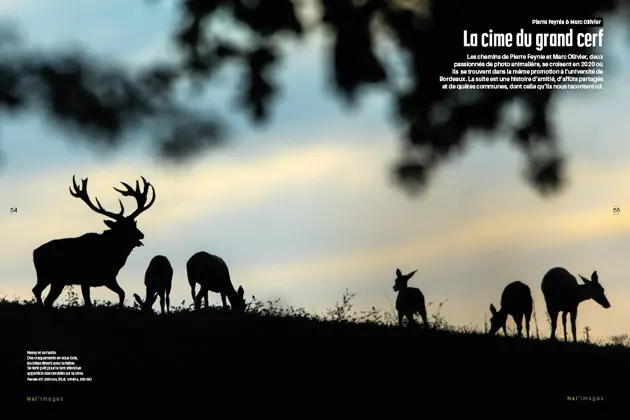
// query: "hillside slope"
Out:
[252,364]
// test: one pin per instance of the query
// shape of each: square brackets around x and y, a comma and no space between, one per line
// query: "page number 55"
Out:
[616,210]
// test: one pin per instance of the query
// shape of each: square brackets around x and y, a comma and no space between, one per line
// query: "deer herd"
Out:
[95,259]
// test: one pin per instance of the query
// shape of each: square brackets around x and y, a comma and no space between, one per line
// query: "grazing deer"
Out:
[93,259]
[410,300]
[157,279]
[212,274]
[563,294]
[516,300]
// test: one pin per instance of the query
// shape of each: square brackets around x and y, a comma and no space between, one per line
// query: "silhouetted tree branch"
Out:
[106,102]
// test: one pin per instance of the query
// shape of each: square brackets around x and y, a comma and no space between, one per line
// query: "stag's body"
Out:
[158,280]
[563,294]
[516,300]
[92,265]
[213,275]
[93,259]
[410,300]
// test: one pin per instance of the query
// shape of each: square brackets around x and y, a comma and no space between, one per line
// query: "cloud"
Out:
[201,191]
[13,8]
[533,233]
[304,219]
[306,222]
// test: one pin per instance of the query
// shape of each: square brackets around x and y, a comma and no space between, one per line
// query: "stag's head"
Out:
[123,227]
[147,304]
[498,320]
[238,301]
[595,290]
[401,280]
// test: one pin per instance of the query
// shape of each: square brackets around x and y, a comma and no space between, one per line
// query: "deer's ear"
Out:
[493,310]
[595,277]
[241,292]
[586,281]
[410,275]
[398,272]
[109,223]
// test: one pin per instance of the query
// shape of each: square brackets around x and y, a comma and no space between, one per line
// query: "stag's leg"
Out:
[205,298]
[87,302]
[423,315]
[564,324]
[400,318]
[37,291]
[115,287]
[200,295]
[224,300]
[504,331]
[519,324]
[53,294]
[41,284]
[162,302]
[527,318]
[168,303]
[192,292]
[553,317]
[573,327]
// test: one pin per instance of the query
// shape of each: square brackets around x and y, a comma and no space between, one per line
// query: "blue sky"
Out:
[309,208]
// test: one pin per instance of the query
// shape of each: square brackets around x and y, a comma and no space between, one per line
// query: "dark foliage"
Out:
[107,102]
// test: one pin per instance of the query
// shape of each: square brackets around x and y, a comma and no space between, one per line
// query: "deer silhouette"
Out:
[93,259]
[157,280]
[516,300]
[563,294]
[410,300]
[212,274]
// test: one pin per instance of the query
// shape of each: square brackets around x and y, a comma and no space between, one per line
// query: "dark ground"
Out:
[251,365]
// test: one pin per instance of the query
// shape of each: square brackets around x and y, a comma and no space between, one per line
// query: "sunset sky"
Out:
[304,208]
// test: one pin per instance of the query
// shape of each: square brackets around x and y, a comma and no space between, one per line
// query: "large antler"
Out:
[81,192]
[140,196]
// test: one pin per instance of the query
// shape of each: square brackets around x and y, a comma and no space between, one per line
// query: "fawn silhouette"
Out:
[212,274]
[516,300]
[410,300]
[93,259]
[563,294]
[158,280]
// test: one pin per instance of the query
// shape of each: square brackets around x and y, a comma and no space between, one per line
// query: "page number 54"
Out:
[616,210]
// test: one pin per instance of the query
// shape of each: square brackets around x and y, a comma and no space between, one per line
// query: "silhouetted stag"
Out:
[93,259]
[410,300]
[212,274]
[516,300]
[563,294]
[158,280]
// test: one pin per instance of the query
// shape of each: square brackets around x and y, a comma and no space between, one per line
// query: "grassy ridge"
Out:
[271,361]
